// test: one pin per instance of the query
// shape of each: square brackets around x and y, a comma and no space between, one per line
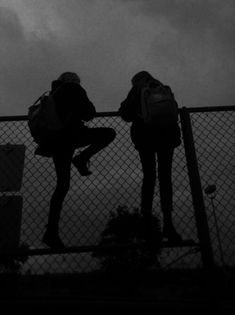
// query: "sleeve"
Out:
[87,109]
[73,103]
[128,108]
[172,95]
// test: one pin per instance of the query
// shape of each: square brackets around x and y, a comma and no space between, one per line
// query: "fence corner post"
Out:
[196,190]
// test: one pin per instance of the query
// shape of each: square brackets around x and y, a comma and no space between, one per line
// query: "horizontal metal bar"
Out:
[92,248]
[211,109]
[107,114]
[25,117]
[14,118]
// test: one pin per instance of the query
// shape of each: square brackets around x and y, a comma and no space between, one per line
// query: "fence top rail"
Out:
[25,117]
[116,114]
[210,108]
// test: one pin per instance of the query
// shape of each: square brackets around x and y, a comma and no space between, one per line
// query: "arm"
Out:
[128,108]
[88,110]
[73,104]
[172,95]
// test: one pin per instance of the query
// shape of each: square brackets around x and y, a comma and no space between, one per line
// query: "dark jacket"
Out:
[144,136]
[72,104]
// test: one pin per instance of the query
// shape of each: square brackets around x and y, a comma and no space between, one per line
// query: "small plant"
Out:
[13,264]
[130,227]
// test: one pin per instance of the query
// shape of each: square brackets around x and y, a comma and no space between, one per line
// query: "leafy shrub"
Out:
[130,227]
[10,264]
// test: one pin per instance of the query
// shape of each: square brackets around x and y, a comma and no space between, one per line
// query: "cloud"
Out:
[26,63]
[190,15]
[188,44]
[96,39]
[197,50]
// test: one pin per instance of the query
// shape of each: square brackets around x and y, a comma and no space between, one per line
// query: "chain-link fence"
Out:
[116,180]
[213,132]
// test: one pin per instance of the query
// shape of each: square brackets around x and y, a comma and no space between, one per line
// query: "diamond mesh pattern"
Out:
[214,142]
[116,180]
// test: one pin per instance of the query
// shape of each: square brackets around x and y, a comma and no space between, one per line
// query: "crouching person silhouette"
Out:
[152,109]
[73,108]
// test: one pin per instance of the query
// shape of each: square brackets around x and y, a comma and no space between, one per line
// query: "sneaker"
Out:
[53,241]
[81,165]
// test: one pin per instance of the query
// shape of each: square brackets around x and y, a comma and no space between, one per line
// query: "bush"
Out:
[130,227]
[13,264]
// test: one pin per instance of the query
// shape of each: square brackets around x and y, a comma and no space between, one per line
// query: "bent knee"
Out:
[111,134]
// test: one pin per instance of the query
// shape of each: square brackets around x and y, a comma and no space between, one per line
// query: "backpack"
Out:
[43,117]
[158,106]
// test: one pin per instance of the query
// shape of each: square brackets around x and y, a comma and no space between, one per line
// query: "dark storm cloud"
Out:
[186,43]
[199,53]
[9,28]
[195,17]
[9,25]
[24,64]
[191,15]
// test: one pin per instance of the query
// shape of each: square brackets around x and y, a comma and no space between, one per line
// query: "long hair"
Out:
[142,78]
[69,77]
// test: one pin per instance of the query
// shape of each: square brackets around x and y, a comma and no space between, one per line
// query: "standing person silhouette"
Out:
[160,139]
[73,108]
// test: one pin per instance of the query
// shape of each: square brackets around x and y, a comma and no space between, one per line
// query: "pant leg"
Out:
[165,158]
[148,161]
[62,161]
[96,139]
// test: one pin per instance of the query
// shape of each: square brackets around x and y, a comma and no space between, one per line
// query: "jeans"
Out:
[148,161]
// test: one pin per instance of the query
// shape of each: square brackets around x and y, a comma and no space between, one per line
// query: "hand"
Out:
[87,117]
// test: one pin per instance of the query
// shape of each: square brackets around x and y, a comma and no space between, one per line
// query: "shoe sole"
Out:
[79,170]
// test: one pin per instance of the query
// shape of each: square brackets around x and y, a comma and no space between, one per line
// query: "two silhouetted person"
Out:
[160,138]
[73,108]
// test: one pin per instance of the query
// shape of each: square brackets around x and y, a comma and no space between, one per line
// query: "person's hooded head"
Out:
[143,78]
[69,77]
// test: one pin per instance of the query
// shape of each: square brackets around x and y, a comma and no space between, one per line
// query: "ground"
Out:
[169,292]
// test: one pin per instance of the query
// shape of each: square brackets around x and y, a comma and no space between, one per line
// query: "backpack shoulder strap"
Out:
[49,92]
[40,97]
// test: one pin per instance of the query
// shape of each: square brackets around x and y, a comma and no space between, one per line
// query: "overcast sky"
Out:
[188,44]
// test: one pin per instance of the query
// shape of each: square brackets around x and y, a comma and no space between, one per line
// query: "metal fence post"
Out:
[196,190]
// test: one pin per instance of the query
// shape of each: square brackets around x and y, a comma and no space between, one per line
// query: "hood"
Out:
[55,84]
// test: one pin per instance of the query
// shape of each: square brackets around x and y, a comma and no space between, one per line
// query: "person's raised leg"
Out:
[96,139]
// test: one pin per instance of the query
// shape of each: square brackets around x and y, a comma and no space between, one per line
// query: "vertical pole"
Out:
[218,232]
[196,190]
